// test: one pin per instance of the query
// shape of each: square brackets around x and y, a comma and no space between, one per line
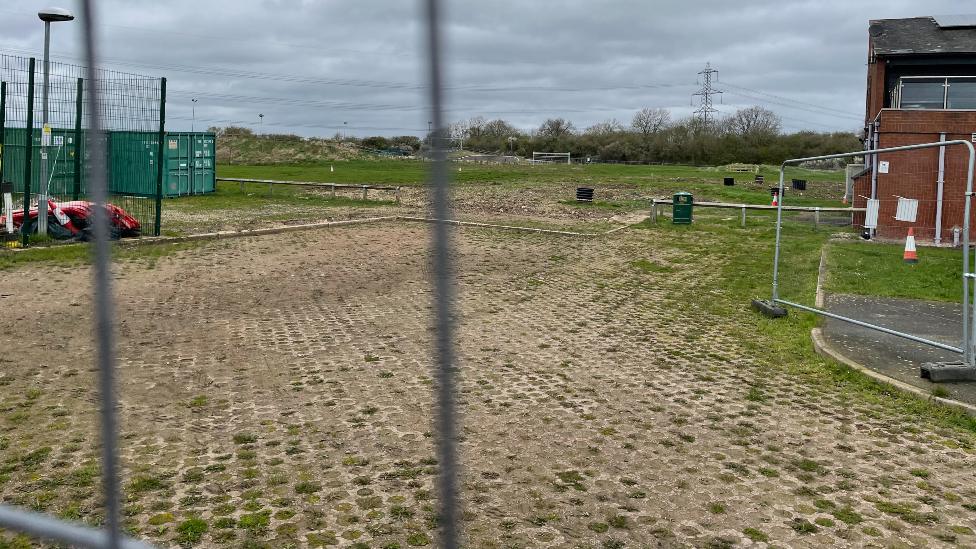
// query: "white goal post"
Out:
[551,158]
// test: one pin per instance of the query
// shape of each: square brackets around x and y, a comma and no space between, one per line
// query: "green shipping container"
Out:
[61,160]
[189,162]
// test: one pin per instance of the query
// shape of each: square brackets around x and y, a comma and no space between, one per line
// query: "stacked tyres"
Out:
[584,194]
[800,184]
[729,181]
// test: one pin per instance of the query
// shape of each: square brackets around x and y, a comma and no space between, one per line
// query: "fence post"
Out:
[29,154]
[397,194]
[364,192]
[743,216]
[158,224]
[76,190]
[3,123]
[816,218]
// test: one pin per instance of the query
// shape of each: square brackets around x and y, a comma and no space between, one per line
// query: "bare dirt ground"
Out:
[279,390]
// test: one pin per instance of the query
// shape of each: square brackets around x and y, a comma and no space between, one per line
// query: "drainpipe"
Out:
[874,167]
[938,192]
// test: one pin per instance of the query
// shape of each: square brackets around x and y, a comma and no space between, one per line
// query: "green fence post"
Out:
[76,191]
[159,158]
[29,155]
[3,123]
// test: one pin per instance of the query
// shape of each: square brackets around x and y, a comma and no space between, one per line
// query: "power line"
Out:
[706,92]
[787,99]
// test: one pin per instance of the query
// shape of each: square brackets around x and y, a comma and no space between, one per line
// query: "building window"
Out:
[961,93]
[936,93]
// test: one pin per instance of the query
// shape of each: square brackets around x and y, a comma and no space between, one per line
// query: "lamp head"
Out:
[53,15]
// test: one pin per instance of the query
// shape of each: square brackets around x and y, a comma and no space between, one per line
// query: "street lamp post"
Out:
[49,15]
[261,118]
[193,108]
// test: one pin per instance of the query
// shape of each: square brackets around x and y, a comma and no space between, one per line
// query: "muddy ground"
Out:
[277,392]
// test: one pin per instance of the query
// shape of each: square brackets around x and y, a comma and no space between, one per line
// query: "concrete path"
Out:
[894,356]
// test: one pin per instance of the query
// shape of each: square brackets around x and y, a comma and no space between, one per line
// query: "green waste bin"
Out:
[681,205]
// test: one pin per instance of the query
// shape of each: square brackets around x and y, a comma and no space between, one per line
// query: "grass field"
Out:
[865,268]
[653,180]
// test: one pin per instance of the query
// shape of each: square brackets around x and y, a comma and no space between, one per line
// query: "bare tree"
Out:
[606,127]
[499,129]
[556,127]
[649,121]
[476,126]
[754,123]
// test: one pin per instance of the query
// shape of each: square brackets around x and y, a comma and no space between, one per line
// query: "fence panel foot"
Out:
[940,372]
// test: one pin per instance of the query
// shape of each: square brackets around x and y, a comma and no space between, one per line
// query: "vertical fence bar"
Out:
[158,222]
[3,124]
[779,230]
[28,155]
[446,421]
[79,109]
[104,330]
[967,322]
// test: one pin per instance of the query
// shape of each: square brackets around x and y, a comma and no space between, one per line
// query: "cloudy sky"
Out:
[315,67]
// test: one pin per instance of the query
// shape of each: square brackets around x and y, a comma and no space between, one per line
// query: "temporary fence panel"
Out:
[102,115]
[889,217]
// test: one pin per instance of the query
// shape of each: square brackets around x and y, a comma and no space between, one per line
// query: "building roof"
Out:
[923,35]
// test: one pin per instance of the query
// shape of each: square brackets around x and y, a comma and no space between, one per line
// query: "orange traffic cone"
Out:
[910,255]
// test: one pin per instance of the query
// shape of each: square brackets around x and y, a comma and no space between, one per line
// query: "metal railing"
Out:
[816,210]
[968,307]
[315,184]
[446,421]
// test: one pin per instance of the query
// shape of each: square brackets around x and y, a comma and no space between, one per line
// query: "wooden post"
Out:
[271,188]
[364,192]
[816,218]
[333,190]
[398,195]
[743,215]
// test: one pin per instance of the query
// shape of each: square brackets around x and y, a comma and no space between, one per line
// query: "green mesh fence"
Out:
[49,159]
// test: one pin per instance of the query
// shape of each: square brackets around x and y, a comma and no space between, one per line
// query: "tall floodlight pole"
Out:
[193,124]
[261,118]
[49,15]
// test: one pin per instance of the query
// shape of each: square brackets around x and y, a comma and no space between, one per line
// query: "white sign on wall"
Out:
[883,166]
[974,138]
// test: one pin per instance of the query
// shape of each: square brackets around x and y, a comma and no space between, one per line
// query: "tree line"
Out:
[751,135]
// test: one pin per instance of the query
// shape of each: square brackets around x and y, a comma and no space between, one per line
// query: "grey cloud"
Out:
[810,55]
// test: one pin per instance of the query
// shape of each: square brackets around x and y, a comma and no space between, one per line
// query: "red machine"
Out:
[74,219]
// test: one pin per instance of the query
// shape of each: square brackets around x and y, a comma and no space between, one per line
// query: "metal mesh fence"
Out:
[44,155]
[97,162]
[910,210]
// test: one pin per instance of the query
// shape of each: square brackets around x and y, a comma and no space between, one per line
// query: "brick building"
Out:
[921,87]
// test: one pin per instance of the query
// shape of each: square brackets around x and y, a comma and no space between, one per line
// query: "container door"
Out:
[177,164]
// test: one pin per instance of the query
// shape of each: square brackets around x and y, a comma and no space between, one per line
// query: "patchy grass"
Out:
[666,178]
[745,273]
[80,254]
[869,268]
